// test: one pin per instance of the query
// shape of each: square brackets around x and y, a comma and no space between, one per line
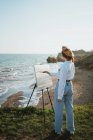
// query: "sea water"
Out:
[17,74]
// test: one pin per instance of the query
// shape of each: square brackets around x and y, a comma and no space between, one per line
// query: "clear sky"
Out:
[43,26]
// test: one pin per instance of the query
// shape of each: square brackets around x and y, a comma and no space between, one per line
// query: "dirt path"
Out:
[83,86]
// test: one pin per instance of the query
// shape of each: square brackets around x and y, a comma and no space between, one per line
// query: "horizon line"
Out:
[46,53]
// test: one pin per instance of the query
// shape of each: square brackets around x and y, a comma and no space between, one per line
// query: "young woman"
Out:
[64,93]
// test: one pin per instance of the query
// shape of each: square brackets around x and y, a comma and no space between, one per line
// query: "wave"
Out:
[3,90]
[7,69]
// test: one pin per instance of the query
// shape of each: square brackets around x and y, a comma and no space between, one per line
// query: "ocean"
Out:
[17,74]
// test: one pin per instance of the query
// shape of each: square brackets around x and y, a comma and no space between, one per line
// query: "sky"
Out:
[44,26]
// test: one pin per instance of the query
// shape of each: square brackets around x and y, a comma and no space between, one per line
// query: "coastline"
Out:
[83,91]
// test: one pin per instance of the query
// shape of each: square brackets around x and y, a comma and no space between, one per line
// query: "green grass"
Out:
[27,123]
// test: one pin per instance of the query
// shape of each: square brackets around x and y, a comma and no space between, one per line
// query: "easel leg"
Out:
[50,100]
[43,106]
[31,95]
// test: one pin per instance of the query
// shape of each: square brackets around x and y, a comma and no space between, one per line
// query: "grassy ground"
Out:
[27,123]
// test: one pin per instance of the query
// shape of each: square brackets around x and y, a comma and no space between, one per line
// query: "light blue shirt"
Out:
[67,72]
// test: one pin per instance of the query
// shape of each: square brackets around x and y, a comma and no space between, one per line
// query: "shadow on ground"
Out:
[53,136]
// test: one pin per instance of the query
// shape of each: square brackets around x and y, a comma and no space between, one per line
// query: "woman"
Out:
[64,93]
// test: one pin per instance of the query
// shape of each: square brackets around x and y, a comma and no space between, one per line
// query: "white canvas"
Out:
[43,80]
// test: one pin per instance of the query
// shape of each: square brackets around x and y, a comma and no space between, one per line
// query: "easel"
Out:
[42,100]
[42,90]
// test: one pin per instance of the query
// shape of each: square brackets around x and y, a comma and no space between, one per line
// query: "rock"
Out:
[13,100]
[60,58]
[51,59]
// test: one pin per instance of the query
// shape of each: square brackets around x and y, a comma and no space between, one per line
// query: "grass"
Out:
[27,123]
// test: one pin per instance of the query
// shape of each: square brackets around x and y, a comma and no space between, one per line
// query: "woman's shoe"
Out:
[68,133]
[53,135]
[56,133]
